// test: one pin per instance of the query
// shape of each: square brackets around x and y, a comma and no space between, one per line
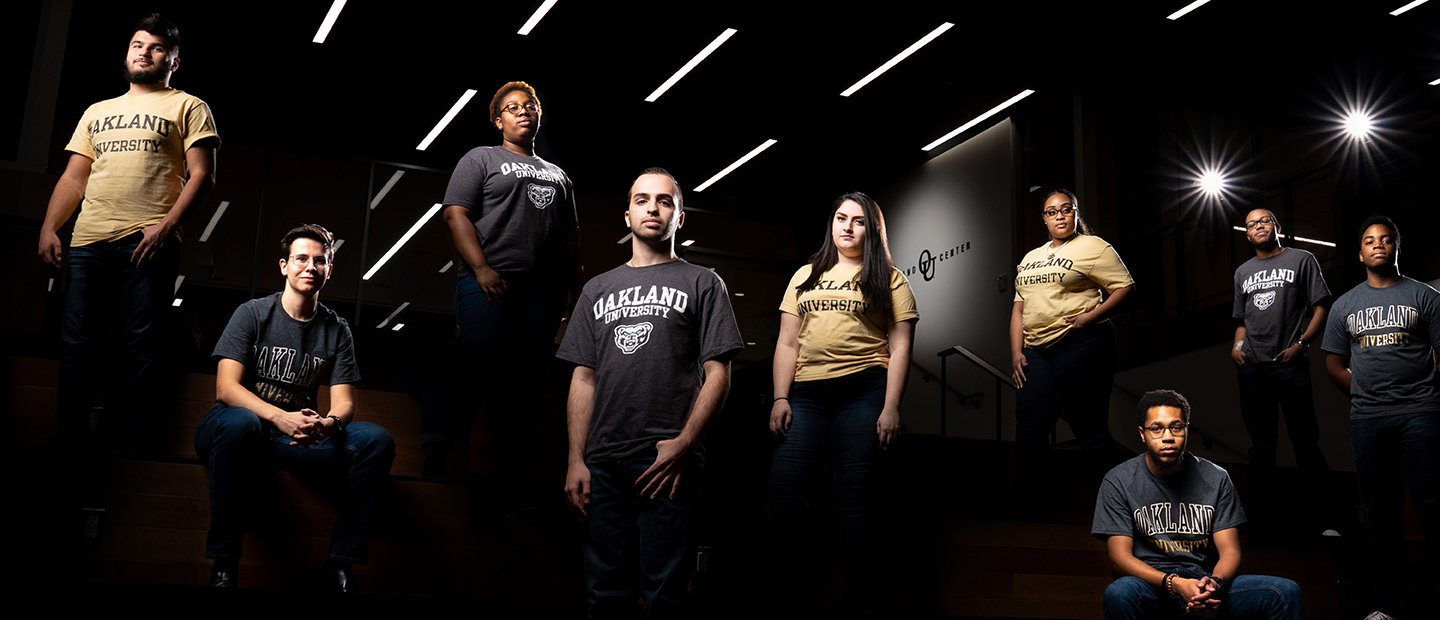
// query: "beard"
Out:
[156,74]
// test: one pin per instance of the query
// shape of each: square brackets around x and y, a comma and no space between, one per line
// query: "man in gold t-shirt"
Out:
[138,163]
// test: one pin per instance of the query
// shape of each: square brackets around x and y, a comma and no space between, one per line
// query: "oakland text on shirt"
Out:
[278,364]
[1268,278]
[528,171]
[1044,278]
[638,301]
[833,305]
[1168,518]
[159,125]
[1380,317]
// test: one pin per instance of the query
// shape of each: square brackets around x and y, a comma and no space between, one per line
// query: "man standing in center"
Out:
[1280,306]
[651,341]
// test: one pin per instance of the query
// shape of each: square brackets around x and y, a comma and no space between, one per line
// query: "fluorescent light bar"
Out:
[447,266]
[979,119]
[375,202]
[1327,244]
[392,315]
[914,47]
[178,280]
[336,248]
[1189,7]
[406,237]
[398,327]
[176,303]
[449,116]
[737,164]
[214,219]
[1407,7]
[709,49]
[687,243]
[625,238]
[535,19]
[1436,82]
[739,294]
[328,22]
[50,286]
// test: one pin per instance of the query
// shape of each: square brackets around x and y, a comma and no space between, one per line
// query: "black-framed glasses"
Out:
[1250,225]
[1066,209]
[514,108]
[302,260]
[1177,429]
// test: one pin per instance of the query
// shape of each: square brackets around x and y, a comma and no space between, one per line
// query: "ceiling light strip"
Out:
[1189,7]
[328,22]
[535,19]
[1407,7]
[449,116]
[979,119]
[394,178]
[1327,244]
[914,47]
[214,219]
[739,162]
[398,244]
[709,49]
[393,315]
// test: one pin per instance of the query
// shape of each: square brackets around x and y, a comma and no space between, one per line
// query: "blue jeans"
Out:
[1391,451]
[504,349]
[1252,597]
[234,444]
[636,547]
[107,293]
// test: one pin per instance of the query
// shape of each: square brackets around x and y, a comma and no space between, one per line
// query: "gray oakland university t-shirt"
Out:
[647,332]
[286,361]
[1390,335]
[523,209]
[1274,297]
[1173,519]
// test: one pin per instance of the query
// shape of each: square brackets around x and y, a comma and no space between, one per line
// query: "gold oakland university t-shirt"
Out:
[839,333]
[137,144]
[1065,282]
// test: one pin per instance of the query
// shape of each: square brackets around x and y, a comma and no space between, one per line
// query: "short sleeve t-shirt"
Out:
[1390,335]
[839,333]
[137,146]
[1064,282]
[647,332]
[286,361]
[1173,519]
[523,209]
[1273,296]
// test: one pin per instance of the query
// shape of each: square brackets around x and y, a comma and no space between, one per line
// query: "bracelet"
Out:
[1218,581]
[1170,583]
[780,398]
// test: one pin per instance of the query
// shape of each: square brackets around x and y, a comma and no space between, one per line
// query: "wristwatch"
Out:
[1304,346]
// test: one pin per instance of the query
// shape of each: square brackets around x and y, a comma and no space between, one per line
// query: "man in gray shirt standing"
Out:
[1381,342]
[1280,307]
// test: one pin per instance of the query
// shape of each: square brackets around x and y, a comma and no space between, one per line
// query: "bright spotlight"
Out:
[1357,125]
[1212,183]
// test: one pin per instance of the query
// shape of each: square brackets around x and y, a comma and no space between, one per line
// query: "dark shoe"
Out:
[224,578]
[340,579]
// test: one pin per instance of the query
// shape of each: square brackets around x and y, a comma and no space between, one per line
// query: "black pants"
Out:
[1267,389]
[1071,378]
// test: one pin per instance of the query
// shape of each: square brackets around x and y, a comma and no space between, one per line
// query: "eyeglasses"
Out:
[1176,429]
[1250,225]
[303,260]
[514,108]
[1066,208]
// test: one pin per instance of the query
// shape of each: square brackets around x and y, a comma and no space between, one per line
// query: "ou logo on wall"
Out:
[540,195]
[631,337]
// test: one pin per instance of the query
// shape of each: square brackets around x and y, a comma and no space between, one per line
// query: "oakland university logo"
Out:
[631,337]
[540,195]
[926,265]
[1263,300]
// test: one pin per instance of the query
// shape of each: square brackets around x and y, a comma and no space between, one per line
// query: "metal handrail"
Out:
[1000,379]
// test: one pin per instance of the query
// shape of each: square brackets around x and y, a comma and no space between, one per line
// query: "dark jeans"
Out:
[504,350]
[636,547]
[1253,597]
[1391,451]
[107,293]
[832,431]
[1266,389]
[235,444]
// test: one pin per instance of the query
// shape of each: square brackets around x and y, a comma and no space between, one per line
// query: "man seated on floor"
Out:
[1168,518]
[274,355]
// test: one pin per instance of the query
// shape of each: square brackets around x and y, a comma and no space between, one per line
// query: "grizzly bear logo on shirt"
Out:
[540,195]
[1264,300]
[631,337]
